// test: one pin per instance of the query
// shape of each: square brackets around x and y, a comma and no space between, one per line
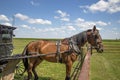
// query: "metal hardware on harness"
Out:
[58,55]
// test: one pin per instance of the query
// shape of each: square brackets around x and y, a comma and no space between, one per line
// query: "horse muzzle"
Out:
[100,50]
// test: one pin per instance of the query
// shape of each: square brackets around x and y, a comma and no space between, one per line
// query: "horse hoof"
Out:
[36,79]
[67,78]
[26,78]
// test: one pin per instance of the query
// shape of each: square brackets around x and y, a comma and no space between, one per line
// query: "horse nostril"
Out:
[101,50]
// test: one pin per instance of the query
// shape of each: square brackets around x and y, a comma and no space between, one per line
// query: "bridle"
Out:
[94,37]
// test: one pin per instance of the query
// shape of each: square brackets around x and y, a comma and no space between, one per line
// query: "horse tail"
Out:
[25,60]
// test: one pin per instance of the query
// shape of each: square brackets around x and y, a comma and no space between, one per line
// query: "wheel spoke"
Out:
[19,68]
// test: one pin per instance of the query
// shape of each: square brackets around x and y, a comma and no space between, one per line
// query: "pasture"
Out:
[104,66]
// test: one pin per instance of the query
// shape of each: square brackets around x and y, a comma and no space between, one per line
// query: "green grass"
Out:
[106,66]
[20,43]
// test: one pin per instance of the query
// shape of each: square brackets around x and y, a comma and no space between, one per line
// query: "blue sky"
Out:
[61,18]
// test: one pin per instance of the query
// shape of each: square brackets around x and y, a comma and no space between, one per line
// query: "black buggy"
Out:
[6,45]
[6,48]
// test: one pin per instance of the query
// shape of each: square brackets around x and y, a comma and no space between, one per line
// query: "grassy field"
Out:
[106,66]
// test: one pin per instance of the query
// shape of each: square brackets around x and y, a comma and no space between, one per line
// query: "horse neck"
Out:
[80,38]
[65,41]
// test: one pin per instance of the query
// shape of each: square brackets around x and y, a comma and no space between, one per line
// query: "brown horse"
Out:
[66,52]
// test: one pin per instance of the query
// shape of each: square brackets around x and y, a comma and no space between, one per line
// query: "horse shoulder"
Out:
[73,57]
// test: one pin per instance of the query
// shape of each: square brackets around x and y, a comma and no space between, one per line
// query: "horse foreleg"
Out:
[68,70]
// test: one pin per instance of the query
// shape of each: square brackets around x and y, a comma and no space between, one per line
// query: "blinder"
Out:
[94,37]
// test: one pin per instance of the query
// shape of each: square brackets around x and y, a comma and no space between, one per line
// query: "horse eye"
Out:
[96,36]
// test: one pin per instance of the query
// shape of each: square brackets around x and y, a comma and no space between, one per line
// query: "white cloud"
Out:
[60,29]
[114,28]
[8,24]
[56,17]
[85,11]
[21,16]
[3,18]
[39,21]
[111,6]
[118,21]
[50,29]
[34,3]
[80,20]
[63,16]
[65,19]
[26,26]
[99,6]
[31,20]
[100,23]
[109,23]
[114,6]
[71,28]
[89,24]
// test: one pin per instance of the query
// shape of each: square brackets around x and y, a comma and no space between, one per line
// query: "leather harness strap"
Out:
[72,48]
[58,54]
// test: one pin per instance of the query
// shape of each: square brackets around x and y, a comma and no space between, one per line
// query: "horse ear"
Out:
[94,28]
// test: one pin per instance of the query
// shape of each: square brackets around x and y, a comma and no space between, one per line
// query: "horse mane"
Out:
[79,38]
[89,30]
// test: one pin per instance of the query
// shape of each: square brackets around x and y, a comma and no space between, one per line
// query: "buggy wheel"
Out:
[19,68]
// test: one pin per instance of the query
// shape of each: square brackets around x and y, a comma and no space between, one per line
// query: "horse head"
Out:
[94,38]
